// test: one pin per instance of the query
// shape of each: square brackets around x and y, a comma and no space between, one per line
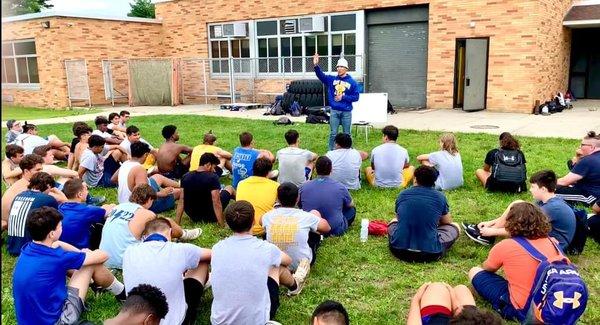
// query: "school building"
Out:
[497,55]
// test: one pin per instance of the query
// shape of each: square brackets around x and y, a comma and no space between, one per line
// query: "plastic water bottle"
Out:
[364,230]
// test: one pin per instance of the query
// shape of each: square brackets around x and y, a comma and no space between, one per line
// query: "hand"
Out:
[485,224]
[316,59]
[487,231]
[86,250]
[167,190]
[338,97]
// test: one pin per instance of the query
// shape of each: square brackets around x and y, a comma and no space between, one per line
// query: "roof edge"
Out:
[582,23]
[48,14]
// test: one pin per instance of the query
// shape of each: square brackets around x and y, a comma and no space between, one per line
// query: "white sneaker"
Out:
[273,174]
[272,322]
[300,276]
[225,173]
[191,234]
[207,284]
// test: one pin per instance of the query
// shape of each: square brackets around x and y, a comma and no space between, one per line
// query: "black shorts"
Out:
[493,185]
[178,171]
[273,287]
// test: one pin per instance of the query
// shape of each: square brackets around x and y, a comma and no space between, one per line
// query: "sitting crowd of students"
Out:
[279,218]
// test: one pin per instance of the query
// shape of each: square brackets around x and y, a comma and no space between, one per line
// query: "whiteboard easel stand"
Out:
[365,126]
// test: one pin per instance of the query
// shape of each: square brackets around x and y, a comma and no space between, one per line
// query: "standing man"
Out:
[342,91]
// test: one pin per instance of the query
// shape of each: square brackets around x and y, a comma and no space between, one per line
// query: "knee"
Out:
[473,272]
[230,189]
[461,288]
[316,213]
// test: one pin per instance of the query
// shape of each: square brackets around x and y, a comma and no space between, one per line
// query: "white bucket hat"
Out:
[342,63]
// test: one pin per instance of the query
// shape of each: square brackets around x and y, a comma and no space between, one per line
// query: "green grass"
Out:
[375,287]
[22,113]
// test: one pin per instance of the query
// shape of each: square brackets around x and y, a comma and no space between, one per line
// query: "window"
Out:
[19,63]
[222,47]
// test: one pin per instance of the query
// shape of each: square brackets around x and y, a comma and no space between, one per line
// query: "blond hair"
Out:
[448,141]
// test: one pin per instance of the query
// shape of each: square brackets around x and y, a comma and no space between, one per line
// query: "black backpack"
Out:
[581,229]
[317,119]
[509,167]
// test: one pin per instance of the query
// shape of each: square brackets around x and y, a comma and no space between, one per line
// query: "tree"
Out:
[20,7]
[142,8]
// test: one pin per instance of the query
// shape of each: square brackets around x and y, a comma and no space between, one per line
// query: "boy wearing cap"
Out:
[14,129]
[342,91]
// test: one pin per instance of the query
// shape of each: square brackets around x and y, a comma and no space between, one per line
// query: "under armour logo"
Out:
[507,158]
[561,300]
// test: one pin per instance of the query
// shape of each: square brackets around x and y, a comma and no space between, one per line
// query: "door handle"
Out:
[468,82]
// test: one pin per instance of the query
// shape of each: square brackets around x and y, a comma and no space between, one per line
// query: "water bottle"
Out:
[364,230]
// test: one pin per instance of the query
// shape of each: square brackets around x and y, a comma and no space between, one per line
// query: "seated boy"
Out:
[390,164]
[346,162]
[30,165]
[40,291]
[244,157]
[10,166]
[208,145]
[295,164]
[158,261]
[102,130]
[295,232]
[423,230]
[439,303]
[99,162]
[145,304]
[82,134]
[582,183]
[30,139]
[560,214]
[169,158]
[330,312]
[248,294]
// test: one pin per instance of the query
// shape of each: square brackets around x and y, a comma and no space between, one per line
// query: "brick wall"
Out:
[76,38]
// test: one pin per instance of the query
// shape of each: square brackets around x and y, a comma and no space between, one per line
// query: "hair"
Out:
[591,135]
[100,120]
[527,220]
[142,193]
[209,138]
[507,141]
[82,129]
[239,216]
[168,131]
[111,116]
[28,126]
[42,150]
[41,221]
[96,141]
[76,125]
[291,136]
[139,149]
[123,113]
[209,158]
[157,225]
[391,132]
[72,187]
[344,140]
[41,182]
[12,150]
[426,176]
[246,139]
[448,141]
[471,315]
[145,298]
[131,130]
[323,166]
[287,194]
[544,178]
[331,312]
[262,167]
[30,161]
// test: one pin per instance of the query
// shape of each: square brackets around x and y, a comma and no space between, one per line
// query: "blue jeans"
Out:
[336,118]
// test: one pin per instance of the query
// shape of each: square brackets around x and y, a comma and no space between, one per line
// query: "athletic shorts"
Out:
[72,309]
[161,204]
[435,315]
[494,288]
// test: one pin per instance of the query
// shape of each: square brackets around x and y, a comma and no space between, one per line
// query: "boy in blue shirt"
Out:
[244,157]
[82,223]
[40,291]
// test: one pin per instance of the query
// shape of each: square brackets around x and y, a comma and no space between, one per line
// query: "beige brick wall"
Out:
[75,38]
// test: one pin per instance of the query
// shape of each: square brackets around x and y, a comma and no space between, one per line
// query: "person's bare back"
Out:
[169,156]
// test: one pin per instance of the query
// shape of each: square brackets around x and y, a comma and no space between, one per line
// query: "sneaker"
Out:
[300,276]
[473,233]
[272,322]
[121,297]
[207,284]
[273,174]
[225,173]
[96,200]
[191,234]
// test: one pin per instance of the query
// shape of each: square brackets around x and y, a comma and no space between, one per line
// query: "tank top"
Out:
[124,192]
[116,236]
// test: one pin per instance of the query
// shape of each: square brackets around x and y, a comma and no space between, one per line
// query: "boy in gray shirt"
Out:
[295,164]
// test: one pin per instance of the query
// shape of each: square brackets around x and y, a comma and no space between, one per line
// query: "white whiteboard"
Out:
[370,108]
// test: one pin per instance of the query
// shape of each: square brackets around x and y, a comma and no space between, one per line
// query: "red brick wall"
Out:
[76,38]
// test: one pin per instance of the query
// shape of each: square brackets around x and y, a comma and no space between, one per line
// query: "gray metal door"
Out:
[475,74]
[397,62]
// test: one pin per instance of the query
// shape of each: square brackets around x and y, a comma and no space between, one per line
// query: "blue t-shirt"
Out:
[242,161]
[419,210]
[77,219]
[335,86]
[562,218]
[21,206]
[329,197]
[39,282]
[589,168]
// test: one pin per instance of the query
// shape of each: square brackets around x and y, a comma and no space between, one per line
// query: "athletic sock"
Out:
[193,293]
[116,287]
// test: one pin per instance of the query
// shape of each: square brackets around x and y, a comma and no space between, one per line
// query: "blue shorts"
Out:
[494,288]
[161,204]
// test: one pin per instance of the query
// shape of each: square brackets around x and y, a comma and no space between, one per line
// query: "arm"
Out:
[488,267]
[363,154]
[286,260]
[414,313]
[112,140]
[446,219]
[266,154]
[323,227]
[351,95]
[186,149]
[217,206]
[487,167]
[569,179]
[94,257]
[138,223]
[7,173]
[58,195]
[61,172]
[323,77]
[224,154]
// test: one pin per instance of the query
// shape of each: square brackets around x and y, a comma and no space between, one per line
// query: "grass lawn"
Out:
[22,113]
[375,287]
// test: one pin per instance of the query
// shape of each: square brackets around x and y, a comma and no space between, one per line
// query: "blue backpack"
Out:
[558,295]
[295,109]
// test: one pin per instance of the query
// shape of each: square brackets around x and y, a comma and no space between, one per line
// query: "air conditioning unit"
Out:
[311,24]
[235,30]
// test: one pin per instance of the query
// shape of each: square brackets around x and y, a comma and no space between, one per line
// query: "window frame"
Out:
[14,57]
[220,74]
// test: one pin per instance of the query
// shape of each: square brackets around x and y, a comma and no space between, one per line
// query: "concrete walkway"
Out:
[573,124]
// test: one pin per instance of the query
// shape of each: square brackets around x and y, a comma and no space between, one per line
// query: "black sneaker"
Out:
[121,297]
[473,233]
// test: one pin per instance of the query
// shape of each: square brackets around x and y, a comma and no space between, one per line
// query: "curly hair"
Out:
[471,315]
[142,193]
[146,298]
[527,220]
